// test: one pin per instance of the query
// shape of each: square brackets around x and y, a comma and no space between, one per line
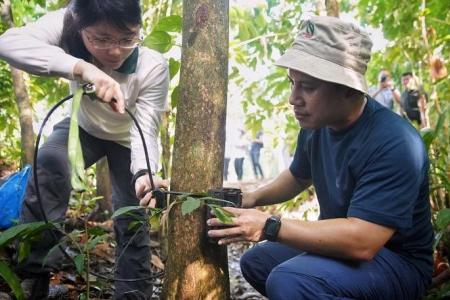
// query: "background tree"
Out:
[22,99]
[195,268]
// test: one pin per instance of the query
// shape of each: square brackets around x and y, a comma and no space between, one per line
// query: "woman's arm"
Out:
[35,47]
[150,104]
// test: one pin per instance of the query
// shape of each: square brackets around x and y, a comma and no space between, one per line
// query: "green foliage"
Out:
[169,24]
[443,219]
[125,210]
[74,147]
[159,40]
[23,234]
[257,36]
[12,280]
[189,205]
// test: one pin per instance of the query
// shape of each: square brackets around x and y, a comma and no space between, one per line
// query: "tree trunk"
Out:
[165,146]
[332,8]
[195,268]
[103,207]
[22,99]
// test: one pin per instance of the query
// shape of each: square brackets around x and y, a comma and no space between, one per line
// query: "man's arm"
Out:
[348,238]
[283,188]
[344,238]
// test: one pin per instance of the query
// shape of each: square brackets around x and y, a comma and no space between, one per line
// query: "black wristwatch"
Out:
[271,228]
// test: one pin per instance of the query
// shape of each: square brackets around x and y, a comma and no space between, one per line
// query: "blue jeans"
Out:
[280,272]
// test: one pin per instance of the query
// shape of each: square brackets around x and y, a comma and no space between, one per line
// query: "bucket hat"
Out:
[332,50]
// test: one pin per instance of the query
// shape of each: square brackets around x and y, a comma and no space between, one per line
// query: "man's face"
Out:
[317,103]
[405,80]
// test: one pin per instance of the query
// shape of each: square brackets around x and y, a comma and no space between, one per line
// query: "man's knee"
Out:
[283,283]
[254,270]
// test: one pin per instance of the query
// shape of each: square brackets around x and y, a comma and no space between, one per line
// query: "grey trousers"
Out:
[132,276]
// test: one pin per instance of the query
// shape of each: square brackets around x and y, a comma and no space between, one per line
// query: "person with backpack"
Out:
[413,99]
[99,42]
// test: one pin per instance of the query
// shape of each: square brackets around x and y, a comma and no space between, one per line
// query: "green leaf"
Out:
[96,231]
[24,250]
[174,66]
[175,96]
[224,216]
[124,210]
[160,41]
[12,280]
[93,242]
[443,219]
[79,263]
[21,230]
[189,205]
[75,152]
[170,24]
[133,224]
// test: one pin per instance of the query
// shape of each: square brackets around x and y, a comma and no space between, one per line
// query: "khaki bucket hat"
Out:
[332,50]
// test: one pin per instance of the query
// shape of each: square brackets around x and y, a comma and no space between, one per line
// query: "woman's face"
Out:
[109,45]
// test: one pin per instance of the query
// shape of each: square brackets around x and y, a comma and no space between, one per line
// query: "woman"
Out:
[95,41]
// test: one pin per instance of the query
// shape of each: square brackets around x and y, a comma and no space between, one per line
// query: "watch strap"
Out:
[271,228]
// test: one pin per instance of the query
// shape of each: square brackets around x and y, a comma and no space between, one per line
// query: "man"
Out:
[385,93]
[368,166]
[413,99]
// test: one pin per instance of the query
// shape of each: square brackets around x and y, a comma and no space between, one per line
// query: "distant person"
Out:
[413,99]
[226,165]
[255,153]
[385,93]
[240,151]
[226,162]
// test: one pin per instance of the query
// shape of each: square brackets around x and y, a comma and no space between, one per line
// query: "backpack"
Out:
[12,192]
[409,102]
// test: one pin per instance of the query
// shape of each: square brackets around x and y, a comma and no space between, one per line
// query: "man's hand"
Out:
[248,200]
[106,88]
[248,225]
[143,184]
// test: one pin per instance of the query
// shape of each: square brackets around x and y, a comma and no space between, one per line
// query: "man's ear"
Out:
[353,94]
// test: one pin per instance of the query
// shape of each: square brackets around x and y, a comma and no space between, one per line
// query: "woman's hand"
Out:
[247,225]
[106,88]
[143,185]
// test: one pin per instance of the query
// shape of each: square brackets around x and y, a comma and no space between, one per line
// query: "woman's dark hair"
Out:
[83,13]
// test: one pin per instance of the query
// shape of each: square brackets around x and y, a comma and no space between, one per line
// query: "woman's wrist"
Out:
[78,68]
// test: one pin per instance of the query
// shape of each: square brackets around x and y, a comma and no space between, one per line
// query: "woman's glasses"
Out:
[106,43]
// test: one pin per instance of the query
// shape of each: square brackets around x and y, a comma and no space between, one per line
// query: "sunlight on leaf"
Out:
[170,24]
[76,159]
[160,41]
[124,210]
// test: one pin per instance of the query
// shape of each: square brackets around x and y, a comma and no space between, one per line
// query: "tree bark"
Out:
[332,8]
[195,268]
[22,99]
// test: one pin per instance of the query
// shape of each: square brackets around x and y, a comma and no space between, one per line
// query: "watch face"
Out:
[271,228]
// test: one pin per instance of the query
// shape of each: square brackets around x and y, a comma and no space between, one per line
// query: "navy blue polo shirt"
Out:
[375,170]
